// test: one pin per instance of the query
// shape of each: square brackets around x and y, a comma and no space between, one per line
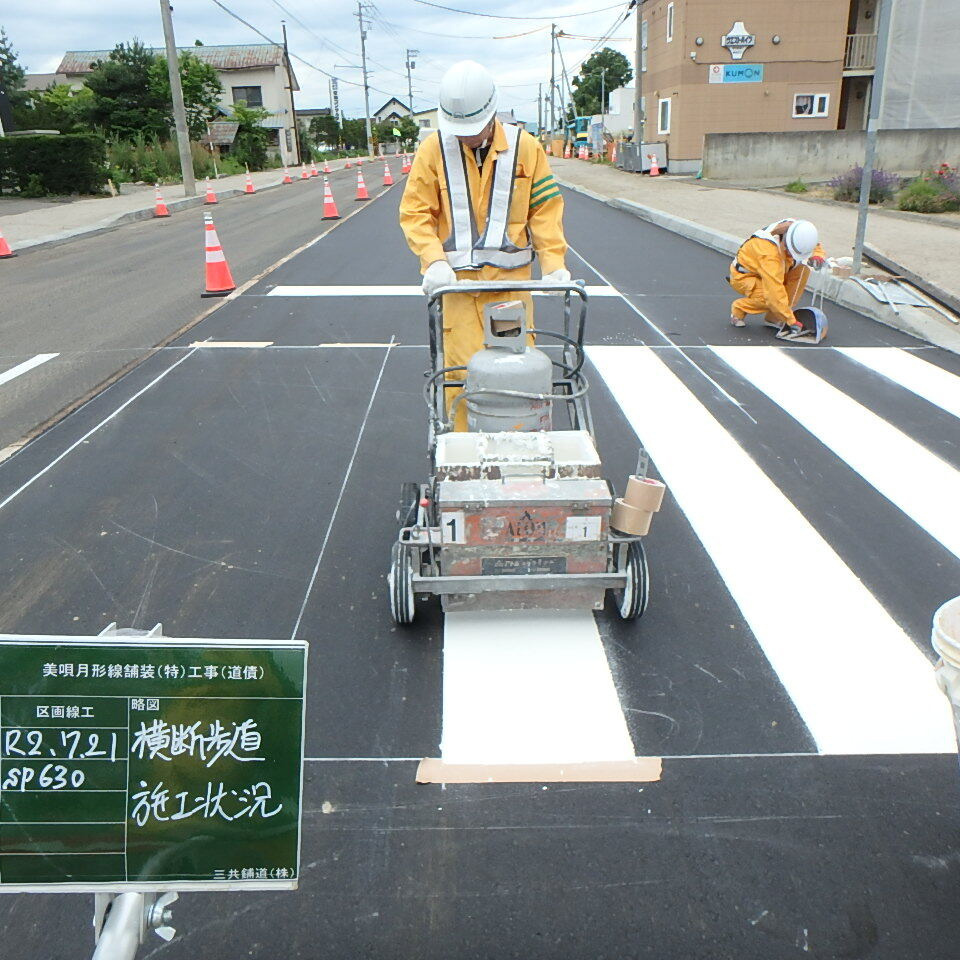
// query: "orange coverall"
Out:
[536,205]
[773,281]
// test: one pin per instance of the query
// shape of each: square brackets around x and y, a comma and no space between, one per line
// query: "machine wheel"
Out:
[400,585]
[632,599]
[409,504]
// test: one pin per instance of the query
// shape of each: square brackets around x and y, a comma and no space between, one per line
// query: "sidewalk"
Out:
[32,223]
[722,217]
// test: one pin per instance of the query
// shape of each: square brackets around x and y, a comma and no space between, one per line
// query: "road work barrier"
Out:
[5,250]
[219,280]
[330,211]
[946,642]
[159,207]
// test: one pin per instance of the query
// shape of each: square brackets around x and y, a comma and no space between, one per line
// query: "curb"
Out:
[914,321]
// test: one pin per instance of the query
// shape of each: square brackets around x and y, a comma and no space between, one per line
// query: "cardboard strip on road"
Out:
[637,770]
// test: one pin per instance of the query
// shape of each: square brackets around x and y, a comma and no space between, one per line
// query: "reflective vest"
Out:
[465,248]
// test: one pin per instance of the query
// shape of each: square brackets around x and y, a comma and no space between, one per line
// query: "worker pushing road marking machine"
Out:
[516,513]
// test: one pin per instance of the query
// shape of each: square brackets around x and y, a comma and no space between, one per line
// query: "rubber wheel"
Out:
[409,504]
[633,598]
[400,585]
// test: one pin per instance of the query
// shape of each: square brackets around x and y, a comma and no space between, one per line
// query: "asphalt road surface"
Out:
[809,799]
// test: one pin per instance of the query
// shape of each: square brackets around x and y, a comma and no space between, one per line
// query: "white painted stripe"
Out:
[21,368]
[529,686]
[917,481]
[232,344]
[927,380]
[373,290]
[859,682]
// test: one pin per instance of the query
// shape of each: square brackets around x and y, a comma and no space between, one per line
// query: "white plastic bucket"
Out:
[946,641]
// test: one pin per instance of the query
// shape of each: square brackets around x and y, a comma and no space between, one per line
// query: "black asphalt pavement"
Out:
[250,492]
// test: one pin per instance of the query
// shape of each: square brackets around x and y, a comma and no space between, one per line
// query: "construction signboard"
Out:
[150,764]
[220,133]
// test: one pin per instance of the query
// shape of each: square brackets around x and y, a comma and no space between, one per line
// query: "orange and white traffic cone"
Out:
[249,188]
[218,278]
[304,173]
[286,175]
[361,188]
[211,196]
[326,167]
[613,153]
[654,167]
[160,208]
[5,250]
[405,166]
[314,172]
[387,176]
[566,151]
[330,211]
[347,165]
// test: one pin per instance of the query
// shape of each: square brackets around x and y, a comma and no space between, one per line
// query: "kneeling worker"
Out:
[771,269]
[479,203]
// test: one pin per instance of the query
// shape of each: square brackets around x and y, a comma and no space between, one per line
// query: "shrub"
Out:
[796,186]
[928,195]
[57,165]
[148,159]
[883,185]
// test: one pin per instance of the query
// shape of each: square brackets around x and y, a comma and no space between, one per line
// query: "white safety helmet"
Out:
[468,99]
[801,238]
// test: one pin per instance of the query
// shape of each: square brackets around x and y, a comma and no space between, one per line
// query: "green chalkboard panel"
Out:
[150,763]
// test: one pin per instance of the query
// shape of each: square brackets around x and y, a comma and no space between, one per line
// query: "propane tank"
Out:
[508,362]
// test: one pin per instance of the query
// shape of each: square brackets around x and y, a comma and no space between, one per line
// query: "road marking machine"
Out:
[516,513]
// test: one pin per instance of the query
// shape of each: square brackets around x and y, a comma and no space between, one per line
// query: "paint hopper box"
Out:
[492,456]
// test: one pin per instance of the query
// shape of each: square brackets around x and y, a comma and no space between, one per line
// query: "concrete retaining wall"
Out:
[822,154]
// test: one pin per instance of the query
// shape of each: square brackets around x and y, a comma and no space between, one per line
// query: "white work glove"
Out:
[438,274]
[558,276]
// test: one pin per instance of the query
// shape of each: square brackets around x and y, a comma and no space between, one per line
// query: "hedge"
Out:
[59,165]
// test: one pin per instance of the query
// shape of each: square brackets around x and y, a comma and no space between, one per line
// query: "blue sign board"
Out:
[743,73]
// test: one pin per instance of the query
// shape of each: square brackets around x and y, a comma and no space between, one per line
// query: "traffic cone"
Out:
[160,208]
[347,164]
[329,206]
[326,167]
[387,176]
[654,168]
[361,188]
[314,172]
[613,153]
[304,175]
[566,151]
[405,167]
[249,188]
[286,175]
[211,196]
[5,250]
[218,278]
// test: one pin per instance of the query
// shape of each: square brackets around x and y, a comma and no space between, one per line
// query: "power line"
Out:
[501,16]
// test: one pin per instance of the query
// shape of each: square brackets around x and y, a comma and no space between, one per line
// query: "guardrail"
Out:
[861,51]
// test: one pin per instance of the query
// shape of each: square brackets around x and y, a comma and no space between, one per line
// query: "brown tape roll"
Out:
[644,493]
[628,519]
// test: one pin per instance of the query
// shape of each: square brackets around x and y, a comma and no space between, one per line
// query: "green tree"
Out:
[355,134]
[250,145]
[201,90]
[62,108]
[12,80]
[607,69]
[125,101]
[325,129]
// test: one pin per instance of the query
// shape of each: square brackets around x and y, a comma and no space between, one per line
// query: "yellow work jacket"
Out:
[535,205]
[779,273]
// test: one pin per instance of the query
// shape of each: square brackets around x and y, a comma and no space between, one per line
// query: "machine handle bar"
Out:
[520,286]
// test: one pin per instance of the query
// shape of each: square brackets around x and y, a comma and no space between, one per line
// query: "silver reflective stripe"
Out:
[465,251]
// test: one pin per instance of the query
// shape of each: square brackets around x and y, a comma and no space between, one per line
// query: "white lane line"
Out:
[927,380]
[859,682]
[917,481]
[233,344]
[27,365]
[529,686]
[343,487]
[371,290]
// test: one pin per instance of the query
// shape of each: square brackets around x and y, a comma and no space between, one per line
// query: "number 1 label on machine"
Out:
[453,526]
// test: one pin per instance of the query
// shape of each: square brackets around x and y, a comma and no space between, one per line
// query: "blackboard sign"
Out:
[150,763]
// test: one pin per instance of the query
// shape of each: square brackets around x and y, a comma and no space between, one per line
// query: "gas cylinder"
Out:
[508,363]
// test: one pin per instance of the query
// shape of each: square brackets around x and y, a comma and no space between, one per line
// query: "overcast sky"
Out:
[324,33]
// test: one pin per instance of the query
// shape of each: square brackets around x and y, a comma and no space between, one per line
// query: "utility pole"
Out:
[293,109]
[876,95]
[603,103]
[638,73]
[176,93]
[366,83]
[539,110]
[411,65]
[553,79]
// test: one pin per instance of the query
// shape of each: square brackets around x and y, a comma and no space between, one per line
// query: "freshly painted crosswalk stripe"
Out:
[7,375]
[927,380]
[529,686]
[861,685]
[920,483]
[407,290]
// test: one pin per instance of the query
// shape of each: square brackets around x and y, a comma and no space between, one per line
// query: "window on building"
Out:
[643,46]
[811,104]
[424,123]
[663,116]
[669,22]
[252,96]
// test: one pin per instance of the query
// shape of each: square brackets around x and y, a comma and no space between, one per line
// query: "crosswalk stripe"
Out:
[858,681]
[7,375]
[529,686]
[395,290]
[917,481]
[926,380]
